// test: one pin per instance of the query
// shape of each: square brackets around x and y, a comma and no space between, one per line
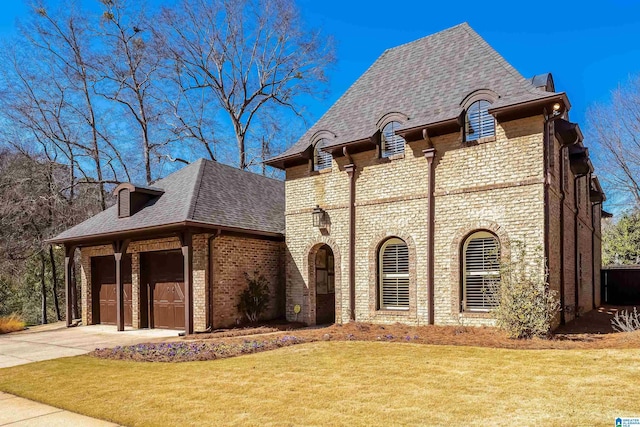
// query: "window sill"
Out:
[482,140]
[400,311]
[326,170]
[476,314]
[395,157]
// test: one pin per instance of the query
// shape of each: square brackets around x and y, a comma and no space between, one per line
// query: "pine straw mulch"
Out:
[592,331]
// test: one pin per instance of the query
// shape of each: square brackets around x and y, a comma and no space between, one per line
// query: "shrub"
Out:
[526,306]
[11,323]
[625,321]
[254,299]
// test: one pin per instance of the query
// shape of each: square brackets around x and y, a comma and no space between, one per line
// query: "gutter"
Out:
[132,233]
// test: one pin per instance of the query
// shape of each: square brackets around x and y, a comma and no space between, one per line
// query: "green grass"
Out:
[346,383]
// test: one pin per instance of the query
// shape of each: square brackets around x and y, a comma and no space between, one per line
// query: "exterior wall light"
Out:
[319,217]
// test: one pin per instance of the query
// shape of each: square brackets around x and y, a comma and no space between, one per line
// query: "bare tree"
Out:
[129,72]
[615,130]
[249,54]
[64,41]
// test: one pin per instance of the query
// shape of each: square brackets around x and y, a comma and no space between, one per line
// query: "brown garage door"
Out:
[164,277]
[103,275]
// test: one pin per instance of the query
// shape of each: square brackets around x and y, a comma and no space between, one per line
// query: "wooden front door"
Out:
[325,286]
[163,276]
[103,277]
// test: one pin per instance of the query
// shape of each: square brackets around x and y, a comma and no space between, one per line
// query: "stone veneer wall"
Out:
[496,185]
[233,256]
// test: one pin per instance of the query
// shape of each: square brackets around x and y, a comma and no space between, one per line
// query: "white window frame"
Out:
[493,274]
[481,119]
[392,279]
[321,159]
[392,144]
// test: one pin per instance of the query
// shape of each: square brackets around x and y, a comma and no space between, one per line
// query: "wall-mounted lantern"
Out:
[319,217]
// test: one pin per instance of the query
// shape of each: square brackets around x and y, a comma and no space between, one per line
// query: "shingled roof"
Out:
[425,80]
[204,192]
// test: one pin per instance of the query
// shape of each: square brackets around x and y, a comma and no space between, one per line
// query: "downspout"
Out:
[593,251]
[576,245]
[562,198]
[210,248]
[350,168]
[429,155]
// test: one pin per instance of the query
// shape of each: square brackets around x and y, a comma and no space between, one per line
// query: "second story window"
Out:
[478,122]
[321,159]
[392,144]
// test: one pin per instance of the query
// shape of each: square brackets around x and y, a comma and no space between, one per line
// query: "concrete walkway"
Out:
[16,411]
[54,341]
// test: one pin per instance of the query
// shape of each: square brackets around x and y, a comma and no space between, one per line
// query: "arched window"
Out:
[392,144]
[481,271]
[478,122]
[393,275]
[321,159]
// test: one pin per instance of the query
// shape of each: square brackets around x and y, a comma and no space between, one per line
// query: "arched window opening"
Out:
[392,144]
[393,276]
[321,159]
[478,122]
[481,272]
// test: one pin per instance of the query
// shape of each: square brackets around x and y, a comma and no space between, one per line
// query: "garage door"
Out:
[103,275]
[164,276]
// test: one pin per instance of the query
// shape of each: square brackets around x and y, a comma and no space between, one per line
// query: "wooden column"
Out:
[119,249]
[351,170]
[187,252]
[430,154]
[69,251]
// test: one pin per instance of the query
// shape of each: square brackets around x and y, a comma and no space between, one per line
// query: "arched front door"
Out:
[325,286]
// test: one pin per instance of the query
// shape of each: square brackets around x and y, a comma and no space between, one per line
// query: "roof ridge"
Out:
[217,163]
[464,24]
[195,194]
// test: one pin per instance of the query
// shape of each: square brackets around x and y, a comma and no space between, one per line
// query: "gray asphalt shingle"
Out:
[426,80]
[204,191]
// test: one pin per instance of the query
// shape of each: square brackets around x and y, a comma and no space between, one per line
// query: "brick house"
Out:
[398,205]
[402,200]
[174,255]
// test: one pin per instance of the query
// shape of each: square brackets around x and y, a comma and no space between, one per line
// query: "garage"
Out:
[103,274]
[163,290]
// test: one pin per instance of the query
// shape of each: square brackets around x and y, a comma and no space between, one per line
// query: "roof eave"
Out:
[524,108]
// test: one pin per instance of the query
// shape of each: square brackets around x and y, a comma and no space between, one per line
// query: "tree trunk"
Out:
[43,289]
[54,283]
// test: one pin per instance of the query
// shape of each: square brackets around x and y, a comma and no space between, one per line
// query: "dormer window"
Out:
[392,144]
[124,203]
[478,122]
[132,198]
[321,159]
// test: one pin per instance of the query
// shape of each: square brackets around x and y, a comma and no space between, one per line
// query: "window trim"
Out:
[463,269]
[319,154]
[395,153]
[481,136]
[381,276]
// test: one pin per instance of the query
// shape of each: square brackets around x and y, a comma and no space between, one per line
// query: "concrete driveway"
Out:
[56,340]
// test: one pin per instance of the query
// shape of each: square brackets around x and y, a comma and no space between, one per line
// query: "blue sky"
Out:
[590,47]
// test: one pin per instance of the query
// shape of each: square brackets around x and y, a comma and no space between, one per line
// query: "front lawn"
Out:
[346,383]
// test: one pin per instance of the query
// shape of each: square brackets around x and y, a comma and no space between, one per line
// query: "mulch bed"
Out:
[593,331]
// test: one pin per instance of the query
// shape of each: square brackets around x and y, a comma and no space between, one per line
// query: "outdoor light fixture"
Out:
[556,106]
[319,217]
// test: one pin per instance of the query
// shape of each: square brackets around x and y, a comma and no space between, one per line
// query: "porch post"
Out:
[119,248]
[187,252]
[69,251]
